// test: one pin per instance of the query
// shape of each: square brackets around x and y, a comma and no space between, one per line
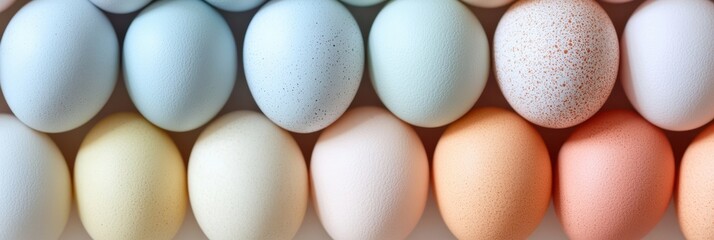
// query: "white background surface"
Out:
[431,226]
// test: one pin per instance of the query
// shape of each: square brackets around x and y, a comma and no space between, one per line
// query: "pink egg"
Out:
[614,178]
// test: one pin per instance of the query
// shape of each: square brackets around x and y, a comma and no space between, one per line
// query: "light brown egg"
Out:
[695,195]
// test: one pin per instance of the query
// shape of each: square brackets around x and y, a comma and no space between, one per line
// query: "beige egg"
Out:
[130,180]
[492,176]
[695,196]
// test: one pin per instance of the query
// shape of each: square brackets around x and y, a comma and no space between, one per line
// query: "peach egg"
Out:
[695,195]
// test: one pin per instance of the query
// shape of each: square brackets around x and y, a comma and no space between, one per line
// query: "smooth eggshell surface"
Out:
[36,188]
[130,181]
[556,61]
[180,63]
[695,196]
[488,3]
[303,62]
[614,178]
[59,61]
[429,60]
[235,5]
[362,3]
[668,62]
[370,176]
[120,6]
[492,176]
[247,179]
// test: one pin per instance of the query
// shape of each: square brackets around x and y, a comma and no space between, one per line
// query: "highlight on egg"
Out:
[556,61]
[370,176]
[492,176]
[35,189]
[235,5]
[129,180]
[695,208]
[60,63]
[428,60]
[120,6]
[614,178]
[668,63]
[303,62]
[247,179]
[180,63]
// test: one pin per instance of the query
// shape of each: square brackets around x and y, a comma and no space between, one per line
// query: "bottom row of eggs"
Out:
[247,179]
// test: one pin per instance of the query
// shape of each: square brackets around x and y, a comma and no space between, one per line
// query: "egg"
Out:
[668,63]
[428,60]
[247,179]
[235,5]
[303,62]
[129,180]
[614,178]
[695,194]
[488,3]
[492,176]
[362,3]
[180,63]
[35,189]
[370,176]
[59,61]
[120,6]
[5,4]
[556,61]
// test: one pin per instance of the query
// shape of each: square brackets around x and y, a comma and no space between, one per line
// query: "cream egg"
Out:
[247,179]
[303,62]
[180,63]
[120,6]
[235,5]
[129,180]
[370,176]
[59,61]
[35,189]
[695,194]
[556,61]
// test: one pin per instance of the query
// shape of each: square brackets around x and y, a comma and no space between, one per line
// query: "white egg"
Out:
[35,189]
[120,6]
[303,62]
[362,3]
[59,61]
[488,3]
[429,60]
[668,62]
[247,179]
[235,5]
[180,63]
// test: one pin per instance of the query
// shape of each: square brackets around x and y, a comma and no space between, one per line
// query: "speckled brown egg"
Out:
[695,195]
[492,176]
[556,61]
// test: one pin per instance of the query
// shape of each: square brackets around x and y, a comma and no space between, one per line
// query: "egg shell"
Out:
[130,180]
[120,6]
[235,5]
[492,176]
[362,3]
[428,59]
[488,3]
[668,62]
[370,176]
[35,186]
[59,61]
[695,195]
[556,61]
[5,4]
[614,178]
[303,62]
[180,63]
[247,179]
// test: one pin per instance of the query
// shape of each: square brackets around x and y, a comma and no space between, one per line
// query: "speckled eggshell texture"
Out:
[370,176]
[235,5]
[668,62]
[556,61]
[120,6]
[429,60]
[492,176]
[59,61]
[695,196]
[180,63]
[36,189]
[303,62]
[488,3]
[247,179]
[363,3]
[614,178]
[130,181]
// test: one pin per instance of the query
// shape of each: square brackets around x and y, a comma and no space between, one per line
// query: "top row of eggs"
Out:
[555,61]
